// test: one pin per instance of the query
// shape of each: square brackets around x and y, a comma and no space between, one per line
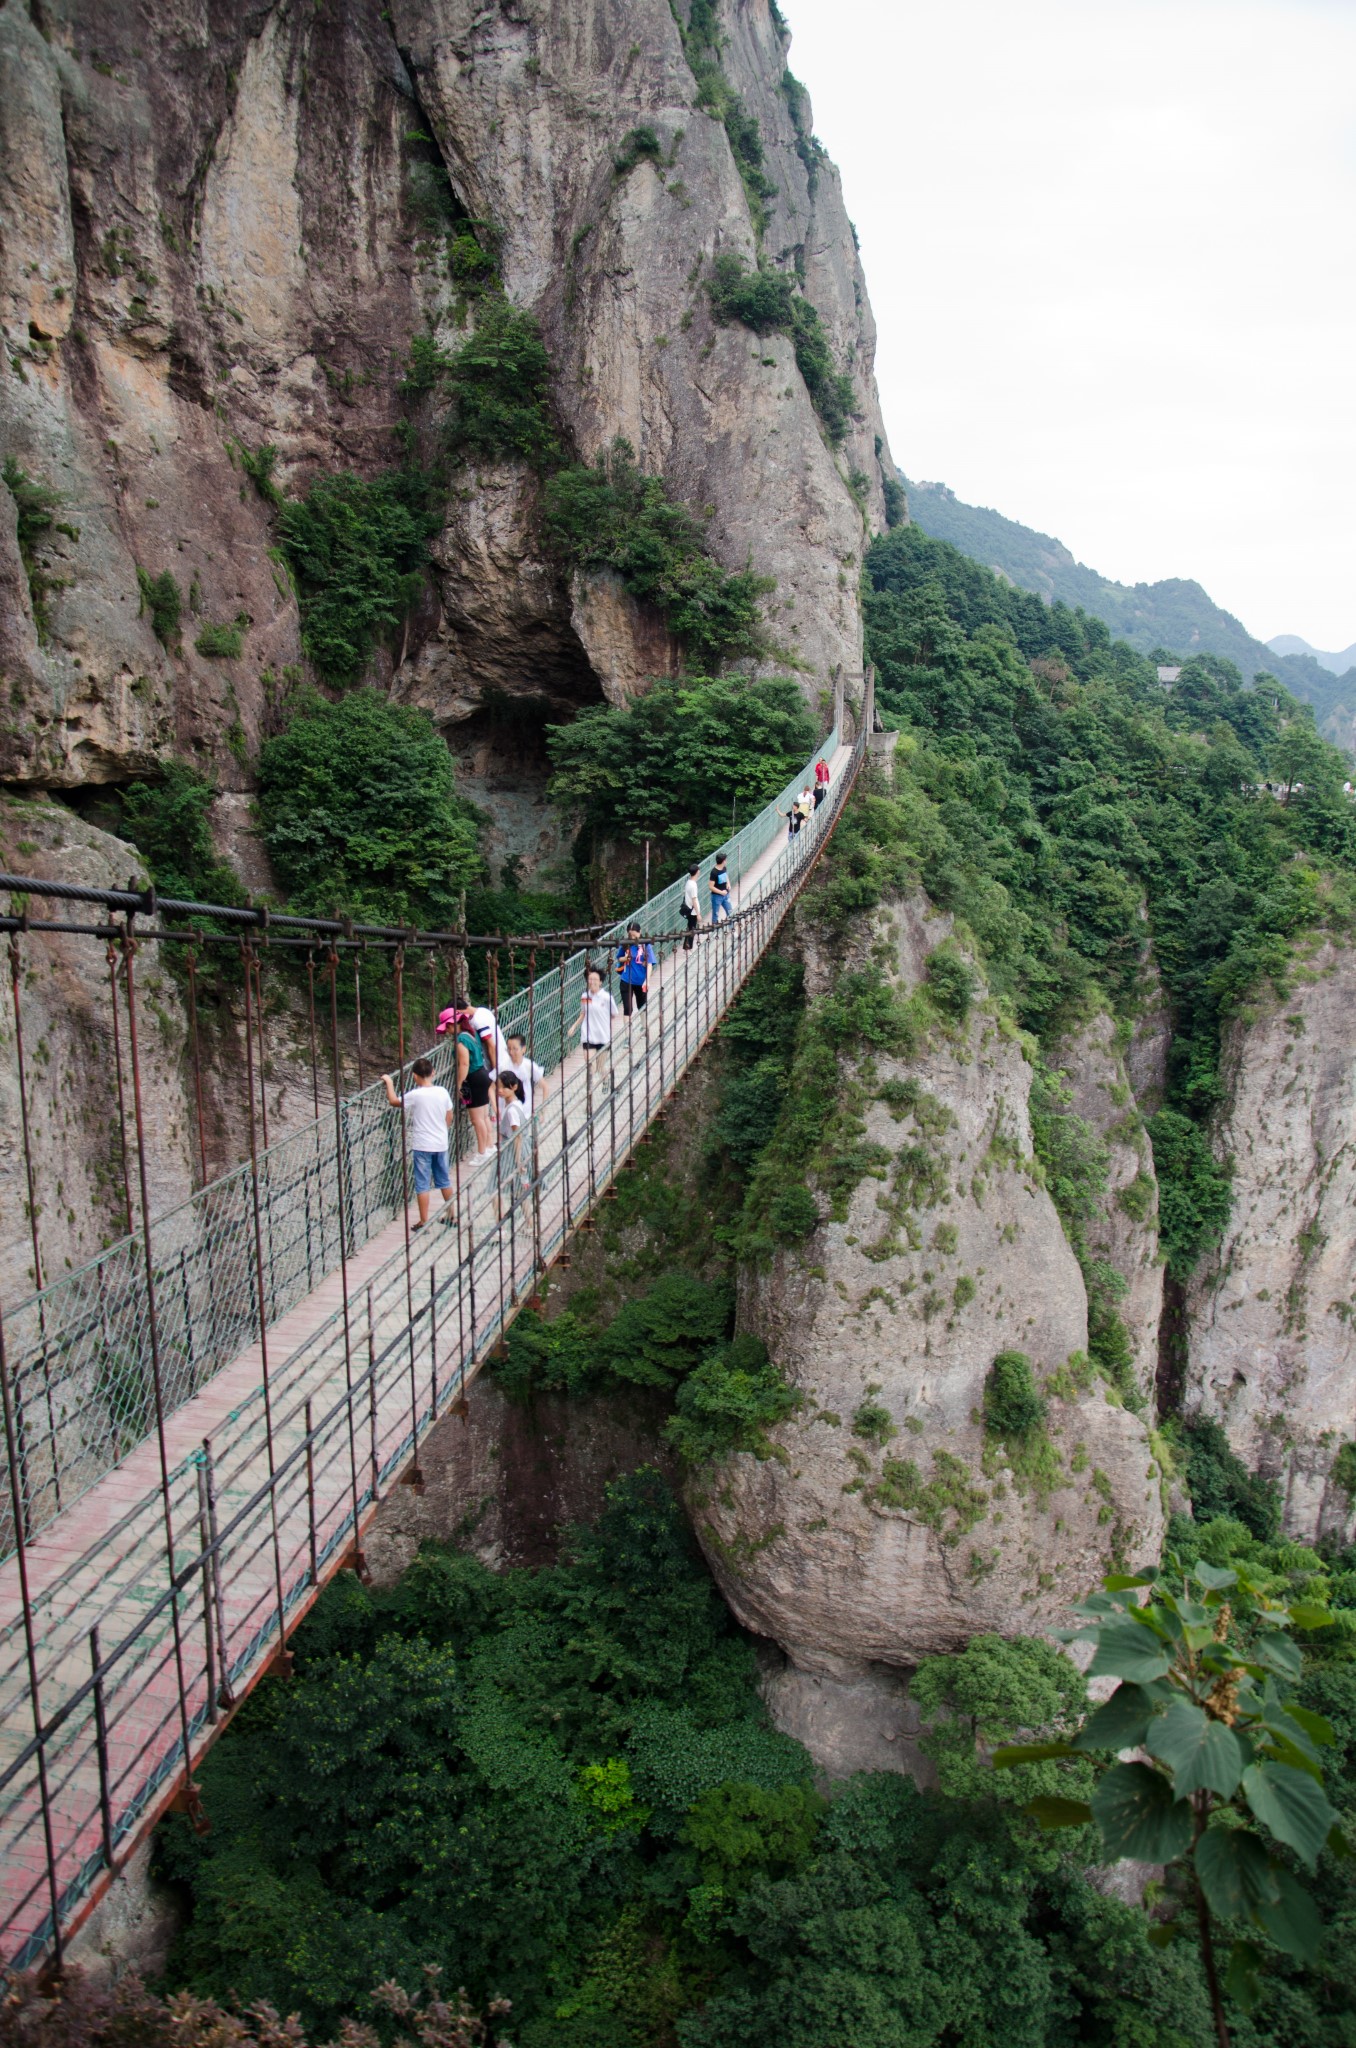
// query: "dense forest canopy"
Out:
[1172,614]
[1089,823]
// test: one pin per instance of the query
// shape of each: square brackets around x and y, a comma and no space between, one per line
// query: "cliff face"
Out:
[1122,1237]
[216,235]
[1271,1350]
[890,1523]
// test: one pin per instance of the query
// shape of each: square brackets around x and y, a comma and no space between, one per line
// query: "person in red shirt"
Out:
[821,782]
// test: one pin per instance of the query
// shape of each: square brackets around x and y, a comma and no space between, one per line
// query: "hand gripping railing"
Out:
[134,1626]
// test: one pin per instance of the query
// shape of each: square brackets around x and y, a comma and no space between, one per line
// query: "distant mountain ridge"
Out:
[1290,643]
[1176,615]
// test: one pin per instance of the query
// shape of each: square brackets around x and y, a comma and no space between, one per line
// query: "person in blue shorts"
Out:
[428,1116]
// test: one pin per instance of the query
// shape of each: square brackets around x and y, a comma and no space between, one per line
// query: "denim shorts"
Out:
[430,1171]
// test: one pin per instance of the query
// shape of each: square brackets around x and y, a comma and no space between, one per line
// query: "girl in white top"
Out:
[511,1116]
[597,1007]
[530,1072]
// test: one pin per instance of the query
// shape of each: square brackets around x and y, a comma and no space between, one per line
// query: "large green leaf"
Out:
[1236,1873]
[1058,1813]
[1275,1652]
[1202,1753]
[1214,1577]
[1292,1921]
[1126,1649]
[1315,1727]
[1121,1722]
[1244,1980]
[1291,1805]
[1134,1807]
[1304,1614]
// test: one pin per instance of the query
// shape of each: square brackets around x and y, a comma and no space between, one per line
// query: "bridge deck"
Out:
[269,1487]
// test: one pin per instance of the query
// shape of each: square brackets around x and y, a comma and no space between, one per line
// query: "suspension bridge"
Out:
[201,1423]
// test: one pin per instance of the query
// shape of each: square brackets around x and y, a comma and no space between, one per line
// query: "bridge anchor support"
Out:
[188,1800]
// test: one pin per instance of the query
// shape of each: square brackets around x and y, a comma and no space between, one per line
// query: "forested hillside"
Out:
[1175,616]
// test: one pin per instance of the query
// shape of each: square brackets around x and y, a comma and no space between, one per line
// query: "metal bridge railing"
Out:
[80,1350]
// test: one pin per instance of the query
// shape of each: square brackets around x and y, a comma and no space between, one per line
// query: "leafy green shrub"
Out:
[654,1339]
[873,1423]
[163,599]
[1344,1470]
[742,1832]
[614,516]
[992,1690]
[360,812]
[259,465]
[1195,1194]
[35,506]
[637,145]
[1013,1405]
[657,1337]
[169,821]
[1220,1484]
[496,386]
[761,298]
[559,1356]
[729,1403]
[357,548]
[952,983]
[473,268]
[765,300]
[679,759]
[750,1104]
[793,1215]
[222,642]
[896,505]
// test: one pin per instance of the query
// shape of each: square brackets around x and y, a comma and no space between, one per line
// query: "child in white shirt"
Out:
[597,1007]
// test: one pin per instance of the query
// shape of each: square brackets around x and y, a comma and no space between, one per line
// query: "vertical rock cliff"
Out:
[896,1515]
[223,229]
[1270,1345]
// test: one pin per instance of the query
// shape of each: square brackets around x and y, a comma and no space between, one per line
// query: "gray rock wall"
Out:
[1271,1346]
[842,1546]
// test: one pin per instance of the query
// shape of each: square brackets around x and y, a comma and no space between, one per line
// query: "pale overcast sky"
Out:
[1111,247]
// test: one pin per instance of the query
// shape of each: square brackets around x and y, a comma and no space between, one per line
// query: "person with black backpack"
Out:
[634,961]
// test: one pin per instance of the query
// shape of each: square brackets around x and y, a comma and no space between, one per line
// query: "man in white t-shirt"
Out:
[530,1073]
[692,905]
[428,1117]
[486,1027]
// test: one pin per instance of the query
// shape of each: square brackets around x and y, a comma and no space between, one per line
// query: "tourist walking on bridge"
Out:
[530,1073]
[473,1081]
[822,779]
[511,1115]
[720,890]
[597,1007]
[634,961]
[692,905]
[428,1117]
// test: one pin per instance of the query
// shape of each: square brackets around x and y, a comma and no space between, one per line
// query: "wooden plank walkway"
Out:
[153,1608]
